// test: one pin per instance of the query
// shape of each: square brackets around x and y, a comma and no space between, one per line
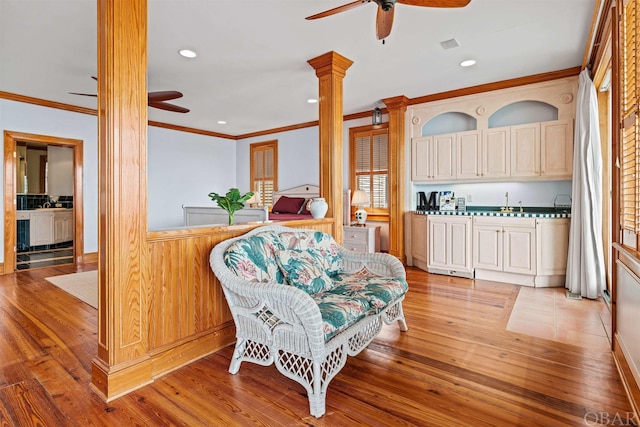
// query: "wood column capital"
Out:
[330,63]
[396,103]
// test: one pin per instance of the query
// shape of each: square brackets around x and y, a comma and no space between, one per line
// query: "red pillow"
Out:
[288,205]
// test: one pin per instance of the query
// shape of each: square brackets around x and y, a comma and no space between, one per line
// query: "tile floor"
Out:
[548,313]
[44,258]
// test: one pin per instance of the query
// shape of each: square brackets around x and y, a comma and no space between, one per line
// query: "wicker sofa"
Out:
[303,302]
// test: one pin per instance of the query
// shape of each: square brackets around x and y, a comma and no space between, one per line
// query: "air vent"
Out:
[450,44]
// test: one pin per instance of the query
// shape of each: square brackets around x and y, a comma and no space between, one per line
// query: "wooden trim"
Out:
[191,130]
[626,375]
[123,269]
[89,257]
[10,238]
[44,103]
[331,69]
[397,107]
[504,84]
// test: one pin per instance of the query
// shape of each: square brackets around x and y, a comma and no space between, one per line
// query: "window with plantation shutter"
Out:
[369,155]
[629,162]
[264,170]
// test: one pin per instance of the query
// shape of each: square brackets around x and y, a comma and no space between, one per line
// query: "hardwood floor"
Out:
[458,365]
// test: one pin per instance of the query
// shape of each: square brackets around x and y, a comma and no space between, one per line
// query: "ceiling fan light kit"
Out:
[384,17]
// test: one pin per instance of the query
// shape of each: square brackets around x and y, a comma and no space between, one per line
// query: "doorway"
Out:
[73,229]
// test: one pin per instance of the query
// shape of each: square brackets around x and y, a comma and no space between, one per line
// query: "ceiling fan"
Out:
[155,99]
[384,18]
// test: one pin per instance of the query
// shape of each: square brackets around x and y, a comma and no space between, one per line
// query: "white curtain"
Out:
[585,263]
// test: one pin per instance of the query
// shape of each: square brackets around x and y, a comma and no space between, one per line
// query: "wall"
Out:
[182,169]
[27,118]
[298,158]
[538,193]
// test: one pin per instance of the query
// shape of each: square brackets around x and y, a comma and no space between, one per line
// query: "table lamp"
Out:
[360,198]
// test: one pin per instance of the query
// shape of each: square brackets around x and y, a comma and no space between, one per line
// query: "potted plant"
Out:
[231,202]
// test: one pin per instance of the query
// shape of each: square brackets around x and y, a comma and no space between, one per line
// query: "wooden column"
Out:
[122,127]
[396,108]
[331,69]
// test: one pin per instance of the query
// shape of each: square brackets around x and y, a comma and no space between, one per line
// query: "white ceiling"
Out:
[252,70]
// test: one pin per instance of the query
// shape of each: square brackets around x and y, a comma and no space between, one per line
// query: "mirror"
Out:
[44,169]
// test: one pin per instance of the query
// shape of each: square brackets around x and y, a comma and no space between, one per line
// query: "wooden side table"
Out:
[361,238]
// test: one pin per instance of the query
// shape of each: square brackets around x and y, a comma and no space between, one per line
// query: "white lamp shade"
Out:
[360,198]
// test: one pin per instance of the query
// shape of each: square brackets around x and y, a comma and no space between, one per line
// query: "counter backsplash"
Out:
[33,201]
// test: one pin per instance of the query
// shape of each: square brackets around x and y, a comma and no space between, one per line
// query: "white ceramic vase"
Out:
[318,207]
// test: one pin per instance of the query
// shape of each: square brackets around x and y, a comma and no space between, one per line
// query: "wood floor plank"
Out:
[457,365]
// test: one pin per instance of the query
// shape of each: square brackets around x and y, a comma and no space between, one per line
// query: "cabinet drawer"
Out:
[355,236]
[20,215]
[504,221]
[356,247]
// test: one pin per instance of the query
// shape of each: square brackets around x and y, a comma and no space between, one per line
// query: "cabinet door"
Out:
[41,228]
[525,150]
[496,149]
[444,157]
[419,237]
[556,149]
[552,238]
[469,150]
[519,250]
[438,244]
[421,159]
[487,247]
[459,244]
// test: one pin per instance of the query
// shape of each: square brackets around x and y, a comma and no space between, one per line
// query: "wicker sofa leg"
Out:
[318,397]
[236,359]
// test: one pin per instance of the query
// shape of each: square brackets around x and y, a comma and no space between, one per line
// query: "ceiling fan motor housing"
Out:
[386,5]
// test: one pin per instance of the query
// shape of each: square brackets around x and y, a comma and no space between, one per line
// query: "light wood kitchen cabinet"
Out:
[525,150]
[40,228]
[469,154]
[552,236]
[433,158]
[63,226]
[504,245]
[419,235]
[449,250]
[496,153]
[556,149]
[519,250]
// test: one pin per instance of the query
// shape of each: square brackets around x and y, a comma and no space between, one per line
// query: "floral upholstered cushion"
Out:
[303,271]
[320,245]
[339,311]
[254,258]
[378,291]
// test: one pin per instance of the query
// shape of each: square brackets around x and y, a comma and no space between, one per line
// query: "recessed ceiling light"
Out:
[188,53]
[467,63]
[312,100]
[222,122]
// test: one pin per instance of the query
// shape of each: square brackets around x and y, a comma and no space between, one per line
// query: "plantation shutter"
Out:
[370,153]
[630,188]
[264,170]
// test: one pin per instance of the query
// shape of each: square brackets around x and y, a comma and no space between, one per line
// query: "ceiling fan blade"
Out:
[169,107]
[164,95]
[83,94]
[338,9]
[436,3]
[384,22]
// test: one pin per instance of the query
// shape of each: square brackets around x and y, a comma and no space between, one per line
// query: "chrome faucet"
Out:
[506,208]
[46,205]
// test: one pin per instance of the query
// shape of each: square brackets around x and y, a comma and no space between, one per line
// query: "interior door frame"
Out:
[10,239]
